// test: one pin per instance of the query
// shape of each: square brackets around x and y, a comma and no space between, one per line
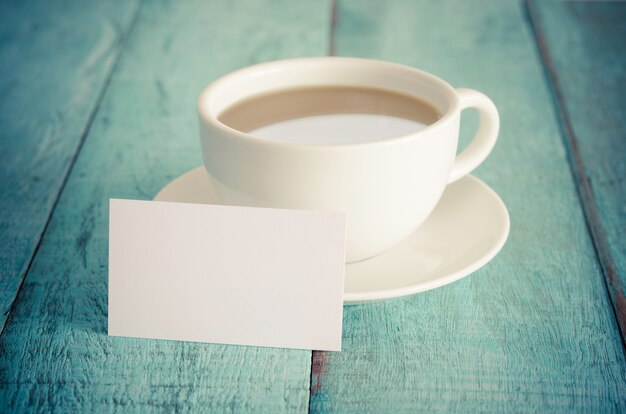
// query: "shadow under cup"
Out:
[386,188]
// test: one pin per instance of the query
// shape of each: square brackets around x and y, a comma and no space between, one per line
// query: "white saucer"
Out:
[467,229]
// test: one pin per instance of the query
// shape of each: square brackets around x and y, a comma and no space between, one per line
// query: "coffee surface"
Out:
[330,115]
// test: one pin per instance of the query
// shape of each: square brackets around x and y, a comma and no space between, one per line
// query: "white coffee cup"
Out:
[387,188]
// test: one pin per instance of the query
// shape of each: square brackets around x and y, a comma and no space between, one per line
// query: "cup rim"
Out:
[206,115]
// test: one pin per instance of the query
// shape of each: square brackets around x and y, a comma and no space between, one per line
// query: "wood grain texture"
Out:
[55,354]
[533,330]
[55,60]
[587,67]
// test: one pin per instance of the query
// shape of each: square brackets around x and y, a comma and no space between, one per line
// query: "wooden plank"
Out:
[533,330]
[55,60]
[55,351]
[587,68]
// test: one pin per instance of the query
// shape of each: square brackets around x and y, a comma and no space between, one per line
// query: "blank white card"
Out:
[224,274]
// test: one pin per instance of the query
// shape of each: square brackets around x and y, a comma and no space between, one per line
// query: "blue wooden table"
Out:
[97,100]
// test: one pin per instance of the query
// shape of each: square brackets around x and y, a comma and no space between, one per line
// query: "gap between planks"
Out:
[334,20]
[587,200]
[319,359]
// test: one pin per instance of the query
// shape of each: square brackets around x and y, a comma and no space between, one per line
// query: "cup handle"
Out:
[485,137]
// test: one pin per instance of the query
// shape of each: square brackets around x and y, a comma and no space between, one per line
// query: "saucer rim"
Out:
[356,298]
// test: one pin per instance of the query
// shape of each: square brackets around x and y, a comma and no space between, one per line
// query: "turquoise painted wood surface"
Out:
[587,67]
[54,352]
[55,60]
[533,330]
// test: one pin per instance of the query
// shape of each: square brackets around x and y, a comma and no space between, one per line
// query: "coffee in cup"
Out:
[330,115]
